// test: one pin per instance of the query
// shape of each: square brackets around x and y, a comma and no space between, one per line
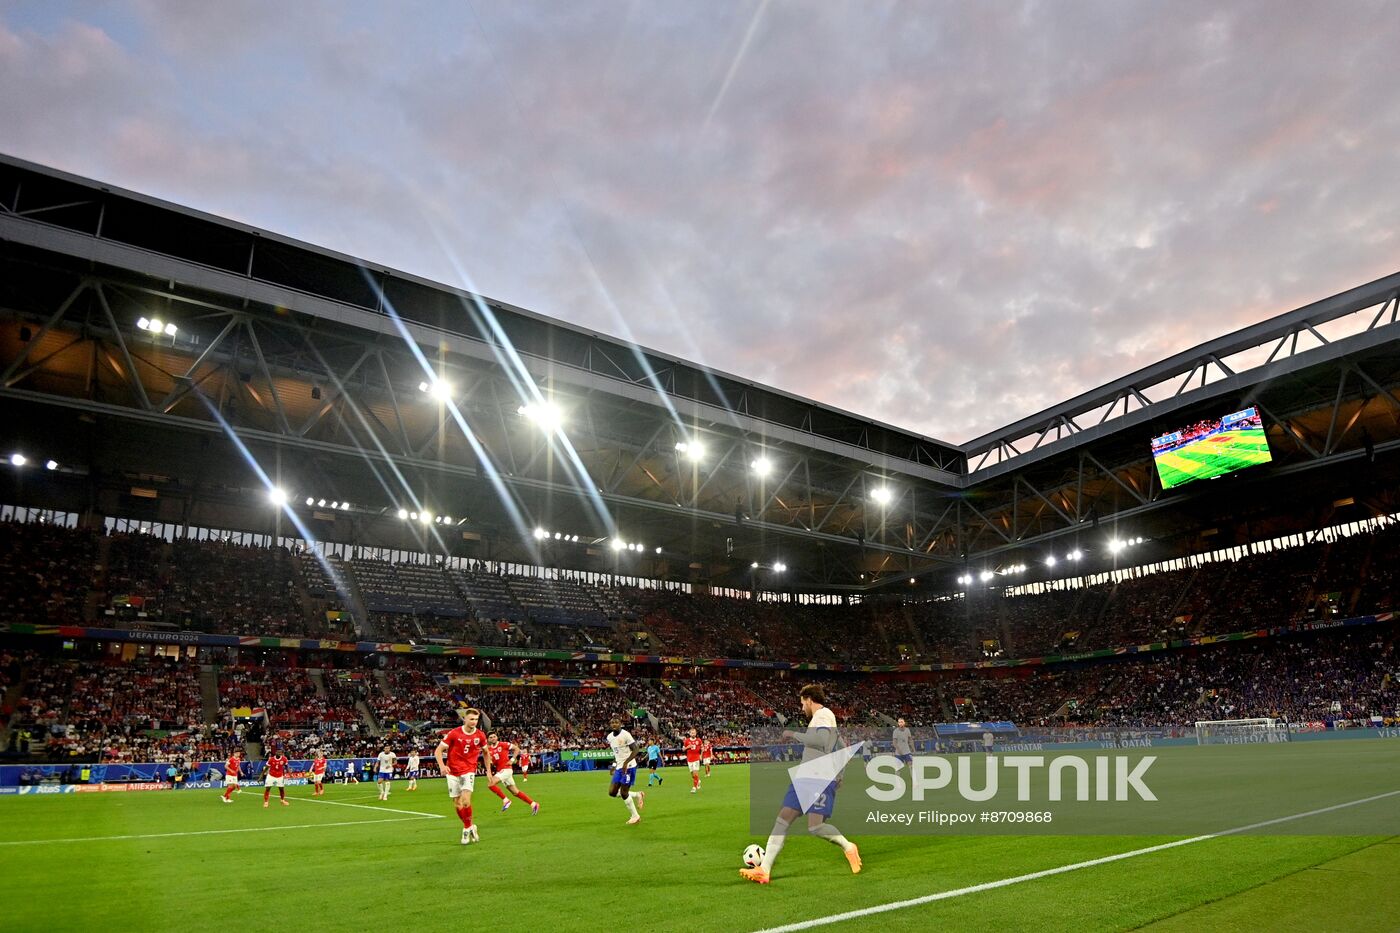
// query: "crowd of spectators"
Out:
[149,708]
[45,572]
[218,586]
[287,695]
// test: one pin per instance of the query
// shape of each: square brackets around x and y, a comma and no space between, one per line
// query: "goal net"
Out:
[1240,731]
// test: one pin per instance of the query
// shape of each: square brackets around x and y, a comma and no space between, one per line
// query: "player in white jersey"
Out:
[818,741]
[384,771]
[903,743]
[624,770]
[413,763]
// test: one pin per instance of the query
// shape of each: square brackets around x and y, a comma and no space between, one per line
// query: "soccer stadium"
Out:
[299,548]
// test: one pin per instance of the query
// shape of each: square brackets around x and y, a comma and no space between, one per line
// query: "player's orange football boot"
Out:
[853,856]
[757,875]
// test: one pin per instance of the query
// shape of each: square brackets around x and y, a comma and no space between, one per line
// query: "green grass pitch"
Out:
[1213,456]
[183,861]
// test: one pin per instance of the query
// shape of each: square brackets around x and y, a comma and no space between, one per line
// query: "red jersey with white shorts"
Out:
[524,759]
[231,768]
[318,766]
[705,750]
[500,756]
[463,750]
[277,766]
[692,749]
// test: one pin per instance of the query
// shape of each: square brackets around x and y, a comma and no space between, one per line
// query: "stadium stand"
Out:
[45,572]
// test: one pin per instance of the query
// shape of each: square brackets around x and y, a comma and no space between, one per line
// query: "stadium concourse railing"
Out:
[204,639]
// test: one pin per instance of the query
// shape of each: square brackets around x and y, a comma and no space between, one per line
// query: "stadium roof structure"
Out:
[329,377]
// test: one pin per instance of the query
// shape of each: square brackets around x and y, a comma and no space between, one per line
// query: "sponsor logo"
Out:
[120,788]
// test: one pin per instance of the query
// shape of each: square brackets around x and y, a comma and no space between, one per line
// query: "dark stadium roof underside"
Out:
[293,348]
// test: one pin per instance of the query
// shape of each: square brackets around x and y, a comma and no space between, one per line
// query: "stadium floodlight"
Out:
[882,495]
[278,496]
[51,464]
[694,451]
[439,389]
[986,575]
[344,506]
[912,581]
[753,566]
[403,513]
[541,534]
[1076,554]
[426,518]
[618,544]
[321,502]
[963,578]
[780,567]
[1050,561]
[413,516]
[658,550]
[143,323]
[310,501]
[156,325]
[1116,545]
[18,460]
[762,466]
[335,504]
[170,330]
[545,414]
[558,535]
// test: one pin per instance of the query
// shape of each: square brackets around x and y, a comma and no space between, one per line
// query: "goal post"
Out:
[1240,731]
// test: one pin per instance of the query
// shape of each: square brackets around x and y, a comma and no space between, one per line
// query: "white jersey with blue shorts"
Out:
[620,744]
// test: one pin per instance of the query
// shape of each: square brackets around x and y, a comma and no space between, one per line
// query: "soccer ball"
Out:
[753,856]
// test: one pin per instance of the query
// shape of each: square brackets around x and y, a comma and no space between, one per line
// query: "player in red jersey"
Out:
[457,756]
[707,753]
[275,775]
[318,774]
[235,761]
[692,760]
[524,762]
[500,753]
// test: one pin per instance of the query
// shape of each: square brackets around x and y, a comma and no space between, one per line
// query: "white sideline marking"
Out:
[361,806]
[208,832]
[1036,875]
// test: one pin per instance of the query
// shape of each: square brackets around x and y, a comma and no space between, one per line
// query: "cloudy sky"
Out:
[944,216]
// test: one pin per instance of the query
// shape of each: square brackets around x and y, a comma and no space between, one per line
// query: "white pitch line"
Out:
[208,832]
[361,806]
[1076,866]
